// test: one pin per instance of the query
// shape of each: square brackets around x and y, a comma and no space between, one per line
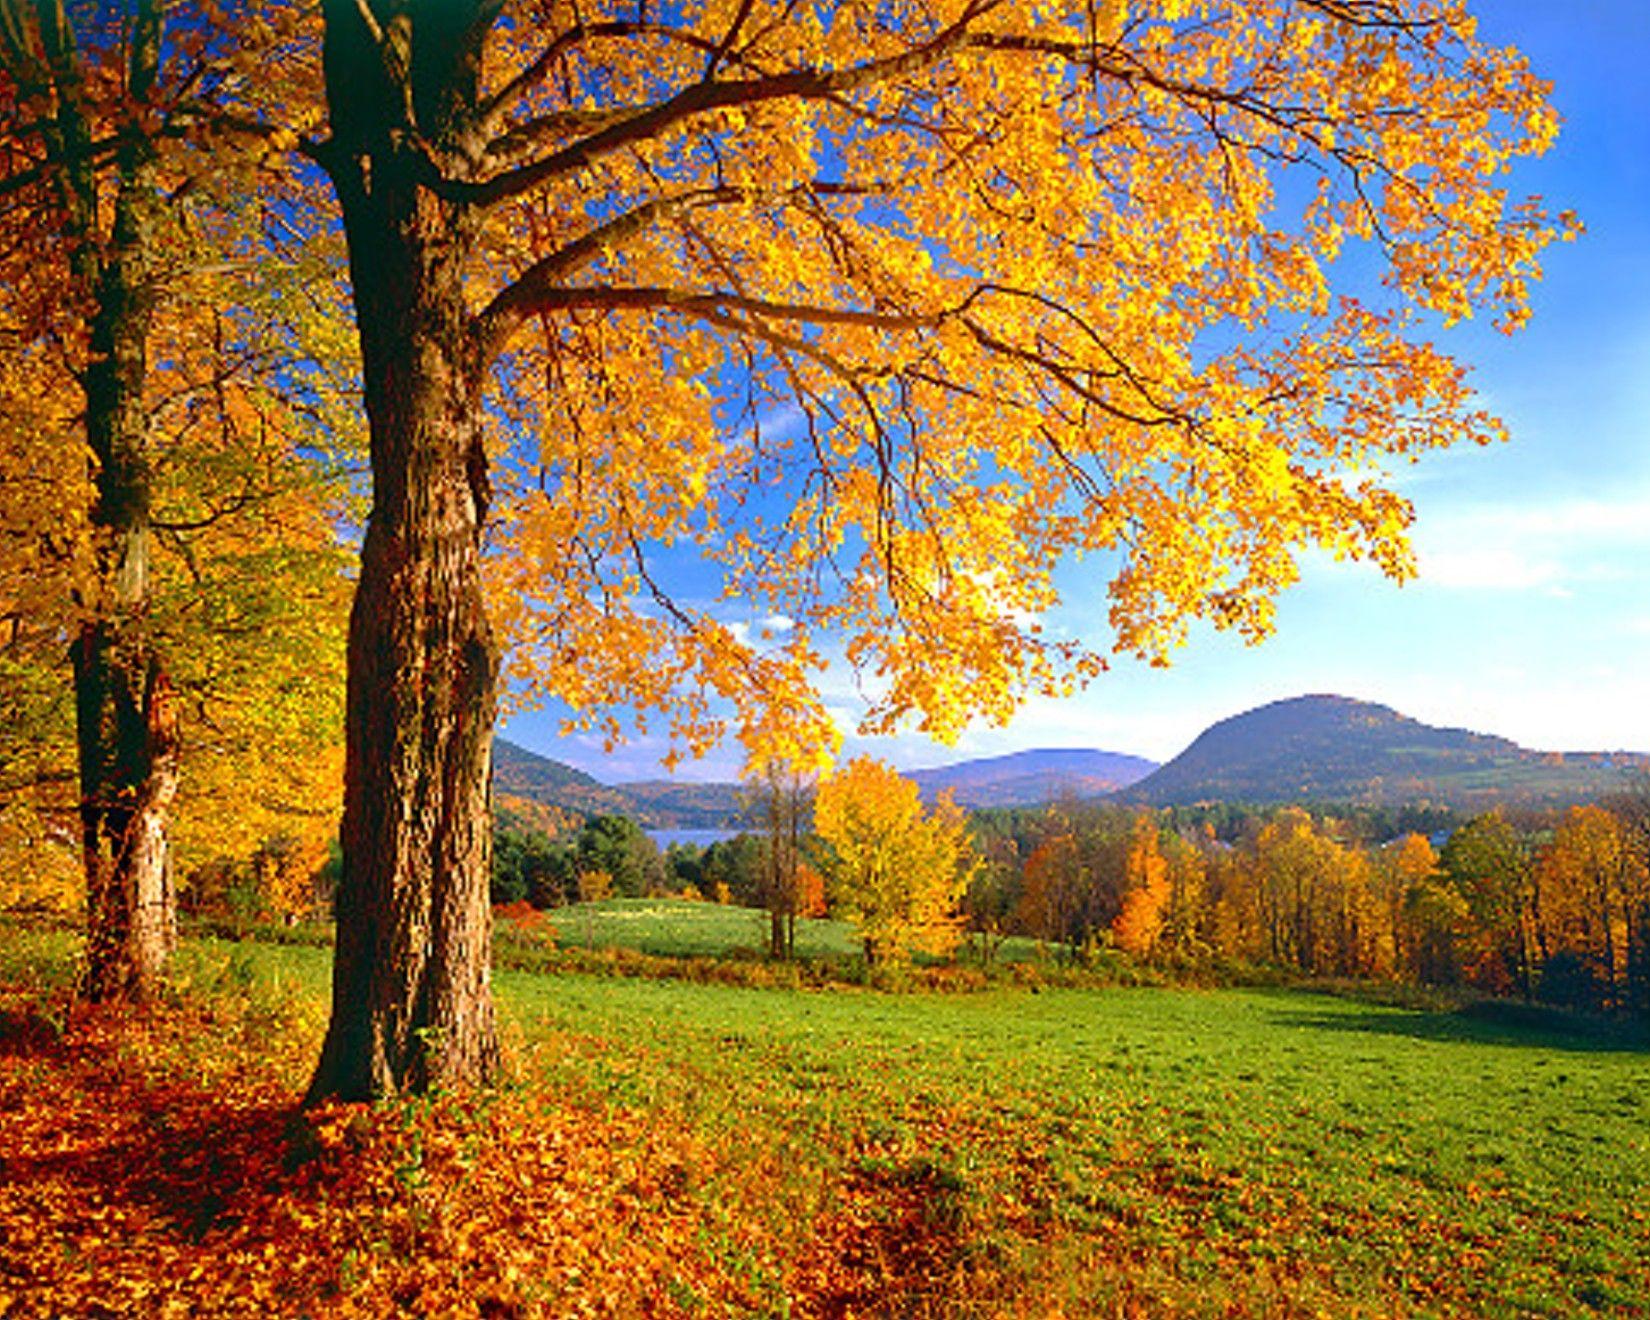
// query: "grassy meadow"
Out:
[666,1147]
[677,928]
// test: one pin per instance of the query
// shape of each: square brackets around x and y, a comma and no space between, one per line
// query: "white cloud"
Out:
[1487,568]
[1539,547]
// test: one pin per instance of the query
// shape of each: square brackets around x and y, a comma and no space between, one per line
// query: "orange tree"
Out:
[893,870]
[885,309]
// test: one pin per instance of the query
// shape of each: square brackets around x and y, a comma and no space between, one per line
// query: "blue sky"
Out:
[1531,614]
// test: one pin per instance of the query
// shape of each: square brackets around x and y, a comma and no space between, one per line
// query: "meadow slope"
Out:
[670,1148]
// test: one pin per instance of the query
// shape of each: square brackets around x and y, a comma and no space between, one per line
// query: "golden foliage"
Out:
[885,315]
[1592,884]
[895,871]
[1146,900]
[243,423]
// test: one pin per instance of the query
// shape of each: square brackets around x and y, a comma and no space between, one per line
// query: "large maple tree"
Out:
[884,310]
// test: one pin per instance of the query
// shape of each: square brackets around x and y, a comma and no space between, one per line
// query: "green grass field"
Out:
[673,927]
[1181,1149]
[1117,1151]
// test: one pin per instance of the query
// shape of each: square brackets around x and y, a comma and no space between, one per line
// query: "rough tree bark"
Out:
[128,748]
[412,1003]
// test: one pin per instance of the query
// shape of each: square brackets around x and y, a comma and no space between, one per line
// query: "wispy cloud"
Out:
[1550,548]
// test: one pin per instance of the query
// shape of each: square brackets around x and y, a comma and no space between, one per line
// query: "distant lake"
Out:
[697,838]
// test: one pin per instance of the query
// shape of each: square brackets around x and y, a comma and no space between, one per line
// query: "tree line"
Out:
[1549,906]
[1553,908]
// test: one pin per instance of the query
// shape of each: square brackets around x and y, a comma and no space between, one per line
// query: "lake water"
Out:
[698,838]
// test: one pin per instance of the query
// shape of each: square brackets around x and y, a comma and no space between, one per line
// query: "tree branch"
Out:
[524,297]
[518,302]
[703,97]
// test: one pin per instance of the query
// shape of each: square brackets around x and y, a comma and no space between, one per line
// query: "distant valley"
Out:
[660,805]
[1305,749]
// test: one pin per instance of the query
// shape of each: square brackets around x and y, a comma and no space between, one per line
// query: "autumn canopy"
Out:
[859,318]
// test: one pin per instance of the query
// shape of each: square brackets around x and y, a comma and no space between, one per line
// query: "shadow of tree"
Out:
[1494,1022]
[123,1187]
[897,1247]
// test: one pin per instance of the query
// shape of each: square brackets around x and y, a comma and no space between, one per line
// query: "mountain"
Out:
[1028,779]
[1336,749]
[664,805]
[1019,779]
[1305,749]
[517,770]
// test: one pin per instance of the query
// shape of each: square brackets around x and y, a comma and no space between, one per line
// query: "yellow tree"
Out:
[154,463]
[1590,880]
[883,310]
[895,871]
[1406,873]
[1311,892]
[1189,924]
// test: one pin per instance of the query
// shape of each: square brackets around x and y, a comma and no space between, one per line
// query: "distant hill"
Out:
[1028,779]
[1306,749]
[1329,748]
[527,774]
[1019,779]
[521,774]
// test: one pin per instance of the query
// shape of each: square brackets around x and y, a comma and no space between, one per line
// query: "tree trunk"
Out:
[412,1002]
[125,728]
[128,778]
[128,749]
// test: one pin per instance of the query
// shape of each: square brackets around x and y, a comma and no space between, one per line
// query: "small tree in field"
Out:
[778,797]
[895,871]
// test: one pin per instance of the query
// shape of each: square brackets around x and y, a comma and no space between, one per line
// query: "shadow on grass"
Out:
[1491,1022]
[896,1249]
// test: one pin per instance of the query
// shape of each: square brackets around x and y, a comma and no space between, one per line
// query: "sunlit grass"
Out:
[674,927]
[1013,1152]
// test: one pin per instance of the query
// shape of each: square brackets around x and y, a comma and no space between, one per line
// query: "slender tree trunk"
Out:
[1528,921]
[1607,918]
[128,748]
[412,1003]
[775,883]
